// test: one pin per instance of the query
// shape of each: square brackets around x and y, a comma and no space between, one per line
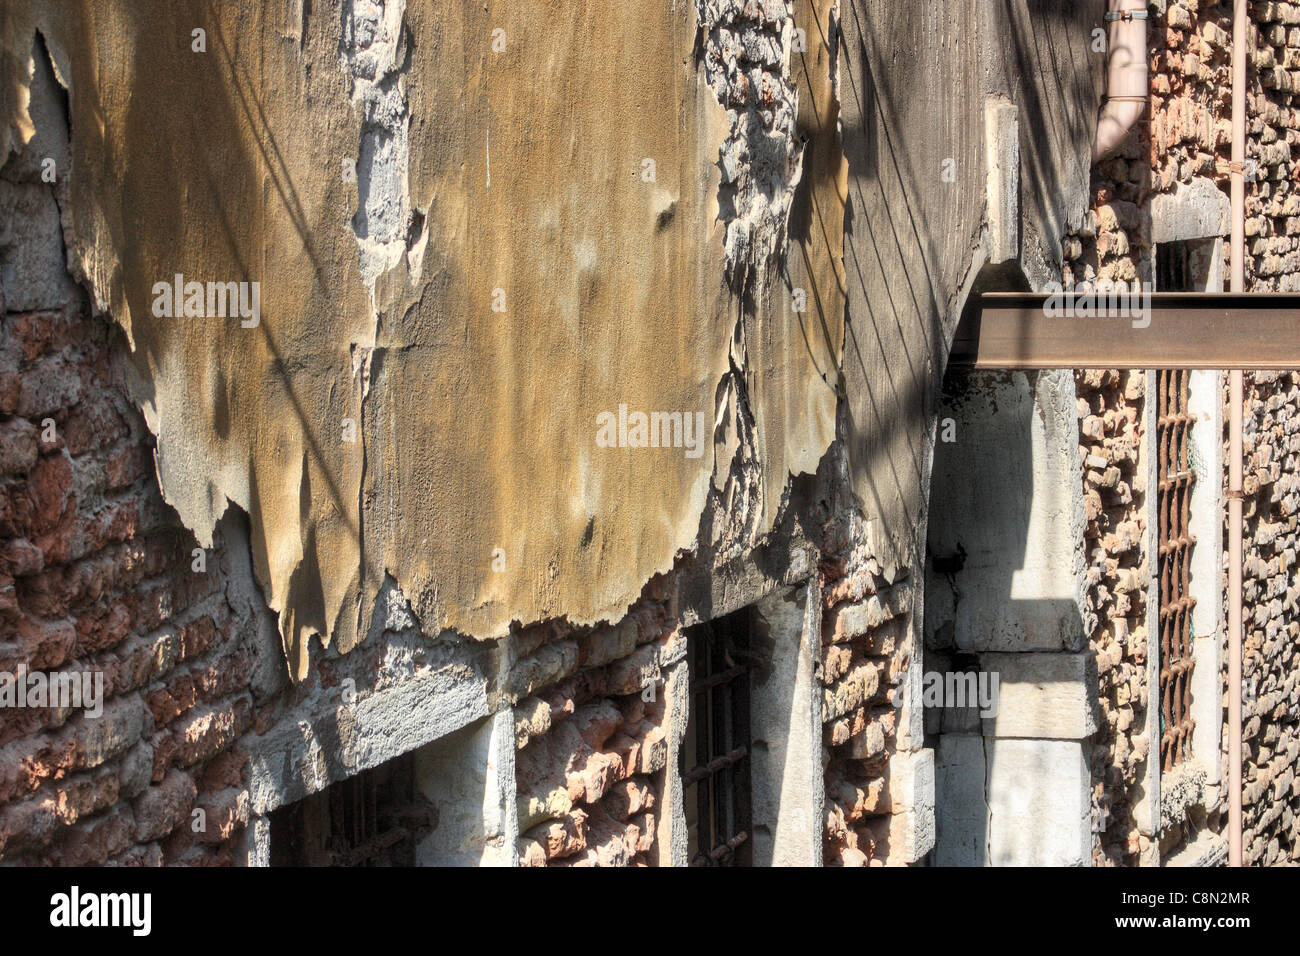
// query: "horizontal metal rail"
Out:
[1161,330]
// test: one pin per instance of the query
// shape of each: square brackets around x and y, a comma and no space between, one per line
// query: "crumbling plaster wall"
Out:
[362,335]
[242,182]
[475,428]
[503,212]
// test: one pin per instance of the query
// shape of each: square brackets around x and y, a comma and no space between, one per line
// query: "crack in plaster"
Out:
[745,48]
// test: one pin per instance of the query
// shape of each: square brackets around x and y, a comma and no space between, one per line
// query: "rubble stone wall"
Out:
[1271,621]
[1184,143]
[1119,572]
[866,650]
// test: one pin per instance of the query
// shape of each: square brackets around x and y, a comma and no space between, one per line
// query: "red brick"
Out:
[164,752]
[204,734]
[197,636]
[42,333]
[125,466]
[177,697]
[85,794]
[46,644]
[225,814]
[26,763]
[19,446]
[51,387]
[102,628]
[163,808]
[19,557]
[17,723]
[28,823]
[93,841]
[94,423]
[49,489]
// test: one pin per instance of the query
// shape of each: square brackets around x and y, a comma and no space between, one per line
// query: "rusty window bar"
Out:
[373,818]
[720,712]
[364,830]
[1176,478]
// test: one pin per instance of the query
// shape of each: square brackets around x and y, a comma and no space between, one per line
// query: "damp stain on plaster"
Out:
[419,401]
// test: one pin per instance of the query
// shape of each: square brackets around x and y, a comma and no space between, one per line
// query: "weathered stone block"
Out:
[1051,696]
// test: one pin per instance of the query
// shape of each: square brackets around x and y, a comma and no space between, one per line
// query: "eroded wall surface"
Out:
[628,227]
[469,245]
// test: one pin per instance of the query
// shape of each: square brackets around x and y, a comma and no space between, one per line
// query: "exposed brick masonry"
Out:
[96,574]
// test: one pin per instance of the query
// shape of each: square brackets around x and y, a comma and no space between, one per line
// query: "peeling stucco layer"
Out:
[223,166]
[793,340]
[438,332]
[16,127]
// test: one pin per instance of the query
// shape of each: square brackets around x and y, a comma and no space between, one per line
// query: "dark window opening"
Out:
[1189,265]
[716,753]
[375,818]
[1174,271]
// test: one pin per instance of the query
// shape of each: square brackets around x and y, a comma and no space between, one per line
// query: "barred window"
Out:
[375,818]
[716,752]
[1176,478]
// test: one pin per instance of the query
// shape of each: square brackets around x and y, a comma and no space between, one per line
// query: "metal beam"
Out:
[1187,330]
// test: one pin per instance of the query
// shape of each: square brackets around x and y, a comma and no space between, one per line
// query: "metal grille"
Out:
[372,819]
[717,785]
[1173,427]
